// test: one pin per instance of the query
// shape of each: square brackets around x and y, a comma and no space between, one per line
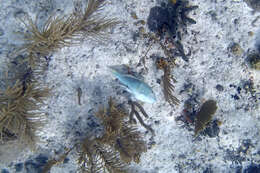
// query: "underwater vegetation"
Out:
[98,158]
[167,79]
[254,60]
[167,24]
[23,95]
[113,151]
[201,117]
[58,32]
[204,116]
[20,114]
[120,144]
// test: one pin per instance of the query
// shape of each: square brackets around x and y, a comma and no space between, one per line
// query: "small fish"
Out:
[140,90]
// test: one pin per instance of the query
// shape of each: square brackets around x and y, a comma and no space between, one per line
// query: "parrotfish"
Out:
[136,87]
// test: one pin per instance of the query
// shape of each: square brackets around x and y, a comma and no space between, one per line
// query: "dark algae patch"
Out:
[254,4]
[254,60]
[205,115]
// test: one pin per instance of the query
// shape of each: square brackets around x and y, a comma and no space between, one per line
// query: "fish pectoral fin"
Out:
[126,88]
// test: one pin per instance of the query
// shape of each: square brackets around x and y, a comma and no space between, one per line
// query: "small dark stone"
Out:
[41,159]
[36,165]
[231,85]
[213,15]
[253,168]
[66,160]
[238,169]
[208,170]
[1,32]
[158,81]
[233,156]
[235,97]
[4,171]
[238,90]
[219,87]
[18,167]
[157,122]
[93,124]
[236,21]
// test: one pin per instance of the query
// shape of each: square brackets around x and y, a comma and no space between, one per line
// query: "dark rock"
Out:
[253,168]
[1,32]
[4,171]
[208,170]
[66,160]
[238,90]
[157,18]
[18,167]
[254,4]
[235,97]
[36,165]
[212,130]
[233,156]
[170,17]
[41,159]
[157,122]
[219,87]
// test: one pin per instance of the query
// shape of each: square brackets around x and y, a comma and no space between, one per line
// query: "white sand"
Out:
[211,63]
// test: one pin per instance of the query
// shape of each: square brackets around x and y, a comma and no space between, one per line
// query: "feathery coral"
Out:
[58,32]
[168,87]
[120,144]
[19,113]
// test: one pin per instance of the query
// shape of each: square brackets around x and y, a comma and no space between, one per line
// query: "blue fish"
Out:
[139,90]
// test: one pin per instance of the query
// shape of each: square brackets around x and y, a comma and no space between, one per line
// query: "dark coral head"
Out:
[170,17]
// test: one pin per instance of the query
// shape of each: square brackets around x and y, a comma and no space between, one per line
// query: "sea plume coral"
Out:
[58,32]
[19,112]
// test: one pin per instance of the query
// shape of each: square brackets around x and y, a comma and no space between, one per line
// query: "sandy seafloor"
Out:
[235,148]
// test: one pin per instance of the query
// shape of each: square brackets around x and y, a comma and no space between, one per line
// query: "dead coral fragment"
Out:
[58,32]
[205,115]
[167,79]
[136,113]
[19,115]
